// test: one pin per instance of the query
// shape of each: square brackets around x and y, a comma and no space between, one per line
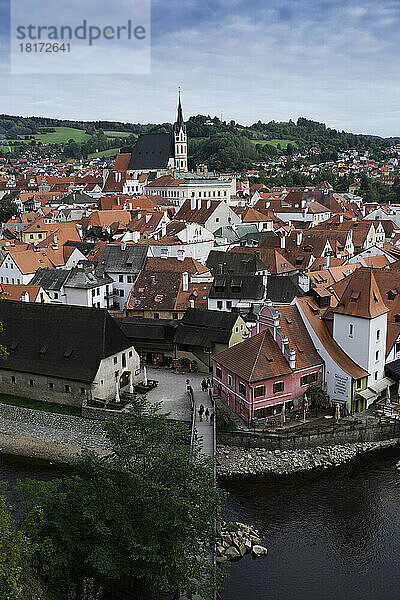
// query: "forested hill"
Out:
[222,145]
[11,126]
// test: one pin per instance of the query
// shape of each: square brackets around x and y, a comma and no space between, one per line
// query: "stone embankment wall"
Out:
[66,429]
[259,461]
[331,435]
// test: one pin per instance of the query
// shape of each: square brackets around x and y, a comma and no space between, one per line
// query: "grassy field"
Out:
[38,405]
[103,153]
[62,135]
[275,143]
[118,134]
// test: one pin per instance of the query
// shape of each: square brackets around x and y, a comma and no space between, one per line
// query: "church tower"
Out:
[180,140]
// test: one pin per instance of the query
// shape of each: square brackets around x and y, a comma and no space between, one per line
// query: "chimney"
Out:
[205,171]
[220,269]
[164,230]
[299,238]
[292,359]
[340,218]
[185,282]
[123,246]
[327,261]
[283,241]
[208,204]
[198,203]
[193,204]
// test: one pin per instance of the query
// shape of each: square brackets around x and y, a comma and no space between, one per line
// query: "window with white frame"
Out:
[259,391]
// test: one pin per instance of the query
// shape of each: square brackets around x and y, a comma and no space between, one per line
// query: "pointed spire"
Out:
[180,124]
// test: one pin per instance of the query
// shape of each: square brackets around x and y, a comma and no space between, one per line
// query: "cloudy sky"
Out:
[332,61]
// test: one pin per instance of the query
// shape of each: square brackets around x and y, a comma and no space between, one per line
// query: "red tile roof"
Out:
[255,359]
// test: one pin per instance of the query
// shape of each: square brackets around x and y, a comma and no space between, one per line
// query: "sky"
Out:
[331,61]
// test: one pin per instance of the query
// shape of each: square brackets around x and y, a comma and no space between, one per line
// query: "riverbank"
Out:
[258,461]
[40,449]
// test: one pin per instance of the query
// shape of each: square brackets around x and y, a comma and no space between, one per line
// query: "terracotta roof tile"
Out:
[255,359]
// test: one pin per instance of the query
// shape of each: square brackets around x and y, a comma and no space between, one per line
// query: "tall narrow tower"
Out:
[360,323]
[180,140]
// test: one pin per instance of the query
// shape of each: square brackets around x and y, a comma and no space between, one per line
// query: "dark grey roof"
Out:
[197,336]
[205,328]
[84,247]
[56,340]
[86,277]
[216,319]
[237,287]
[130,260]
[79,198]
[50,279]
[282,289]
[98,234]
[152,151]
[393,368]
[197,328]
[235,233]
[149,333]
[233,262]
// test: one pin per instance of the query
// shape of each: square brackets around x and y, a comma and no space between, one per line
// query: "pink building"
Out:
[271,370]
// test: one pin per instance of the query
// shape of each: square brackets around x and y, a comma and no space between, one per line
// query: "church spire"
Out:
[180,124]
[180,139]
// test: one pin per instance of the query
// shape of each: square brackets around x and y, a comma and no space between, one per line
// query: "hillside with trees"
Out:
[223,145]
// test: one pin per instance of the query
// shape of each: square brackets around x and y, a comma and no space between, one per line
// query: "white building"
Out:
[360,324]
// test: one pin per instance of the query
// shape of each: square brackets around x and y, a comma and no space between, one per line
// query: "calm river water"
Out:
[331,535]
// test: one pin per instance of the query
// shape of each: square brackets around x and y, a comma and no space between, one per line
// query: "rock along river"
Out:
[331,534]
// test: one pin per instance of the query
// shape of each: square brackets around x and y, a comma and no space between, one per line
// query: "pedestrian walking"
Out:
[203,385]
[209,384]
[212,418]
[207,414]
[201,412]
[195,433]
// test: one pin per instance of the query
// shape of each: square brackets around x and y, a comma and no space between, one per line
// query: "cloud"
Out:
[251,60]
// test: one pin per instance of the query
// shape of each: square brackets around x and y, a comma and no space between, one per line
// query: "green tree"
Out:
[15,552]
[141,517]
[8,209]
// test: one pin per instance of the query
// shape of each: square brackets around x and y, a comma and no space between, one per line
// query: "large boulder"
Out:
[232,553]
[259,550]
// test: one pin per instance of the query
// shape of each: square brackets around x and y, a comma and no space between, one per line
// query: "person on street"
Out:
[195,433]
[207,414]
[201,412]
[212,418]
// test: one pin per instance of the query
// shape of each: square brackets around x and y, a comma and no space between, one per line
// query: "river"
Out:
[331,535]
